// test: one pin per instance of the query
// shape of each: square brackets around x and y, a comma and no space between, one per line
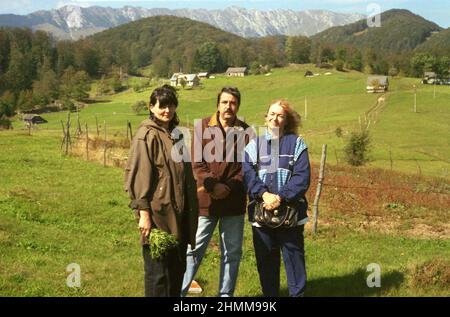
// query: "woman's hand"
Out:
[145,225]
[271,201]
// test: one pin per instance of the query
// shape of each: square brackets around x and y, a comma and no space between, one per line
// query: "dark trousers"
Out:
[267,243]
[164,277]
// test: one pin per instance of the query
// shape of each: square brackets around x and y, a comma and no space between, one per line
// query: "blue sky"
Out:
[437,11]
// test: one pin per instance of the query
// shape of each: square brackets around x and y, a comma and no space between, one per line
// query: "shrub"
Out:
[338,132]
[139,106]
[357,148]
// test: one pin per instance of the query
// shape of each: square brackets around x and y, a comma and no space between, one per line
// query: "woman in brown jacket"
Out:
[162,192]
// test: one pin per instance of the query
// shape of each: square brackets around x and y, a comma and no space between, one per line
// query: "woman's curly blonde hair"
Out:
[293,119]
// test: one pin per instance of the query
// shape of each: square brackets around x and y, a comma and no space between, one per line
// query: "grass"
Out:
[57,210]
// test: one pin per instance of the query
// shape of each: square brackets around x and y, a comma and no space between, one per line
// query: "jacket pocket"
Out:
[162,191]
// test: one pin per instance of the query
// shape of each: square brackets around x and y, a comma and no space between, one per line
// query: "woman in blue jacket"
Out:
[277,171]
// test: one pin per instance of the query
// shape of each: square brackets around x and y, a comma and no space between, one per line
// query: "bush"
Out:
[138,106]
[5,124]
[69,105]
[339,65]
[357,148]
[338,132]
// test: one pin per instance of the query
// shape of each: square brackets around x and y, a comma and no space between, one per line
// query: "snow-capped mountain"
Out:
[73,22]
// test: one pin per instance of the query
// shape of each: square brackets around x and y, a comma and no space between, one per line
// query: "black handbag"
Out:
[285,216]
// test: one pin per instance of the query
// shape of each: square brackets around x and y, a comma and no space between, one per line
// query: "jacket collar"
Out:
[214,121]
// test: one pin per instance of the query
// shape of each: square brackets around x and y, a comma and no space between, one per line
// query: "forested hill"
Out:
[400,31]
[438,44]
[168,43]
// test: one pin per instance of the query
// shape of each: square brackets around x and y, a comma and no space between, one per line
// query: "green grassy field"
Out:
[57,210]
[416,142]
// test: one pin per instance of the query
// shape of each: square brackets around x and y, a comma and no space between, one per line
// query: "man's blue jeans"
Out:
[231,230]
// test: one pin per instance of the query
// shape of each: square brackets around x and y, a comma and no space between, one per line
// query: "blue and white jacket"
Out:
[275,177]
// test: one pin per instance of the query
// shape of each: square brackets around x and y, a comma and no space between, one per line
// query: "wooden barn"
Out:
[377,84]
[237,72]
[32,119]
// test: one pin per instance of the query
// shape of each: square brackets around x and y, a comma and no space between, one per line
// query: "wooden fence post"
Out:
[128,128]
[96,123]
[68,141]
[131,131]
[64,135]
[319,186]
[104,149]
[87,142]
[306,108]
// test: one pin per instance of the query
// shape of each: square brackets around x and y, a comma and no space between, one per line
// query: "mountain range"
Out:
[73,22]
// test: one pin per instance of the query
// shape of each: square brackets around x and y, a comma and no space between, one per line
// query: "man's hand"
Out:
[271,201]
[145,225]
[220,191]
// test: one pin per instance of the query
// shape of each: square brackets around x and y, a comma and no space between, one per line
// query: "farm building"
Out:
[32,119]
[190,80]
[377,84]
[203,75]
[237,72]
[429,75]
[174,79]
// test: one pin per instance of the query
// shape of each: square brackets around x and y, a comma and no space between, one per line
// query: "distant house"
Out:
[377,84]
[429,75]
[32,119]
[190,80]
[174,79]
[203,75]
[429,78]
[237,72]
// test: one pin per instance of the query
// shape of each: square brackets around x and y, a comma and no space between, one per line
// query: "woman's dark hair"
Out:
[232,91]
[166,95]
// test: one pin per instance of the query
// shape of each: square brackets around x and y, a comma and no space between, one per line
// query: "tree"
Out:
[74,84]
[443,66]
[183,82]
[86,58]
[354,60]
[255,68]
[393,72]
[298,49]
[357,148]
[7,105]
[19,74]
[327,54]
[339,64]
[208,58]
[46,88]
[103,87]
[421,63]
[25,100]
[161,66]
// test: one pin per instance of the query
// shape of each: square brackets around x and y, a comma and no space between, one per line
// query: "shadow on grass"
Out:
[353,285]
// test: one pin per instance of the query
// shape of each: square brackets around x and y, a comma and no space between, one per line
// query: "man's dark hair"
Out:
[232,91]
[166,95]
